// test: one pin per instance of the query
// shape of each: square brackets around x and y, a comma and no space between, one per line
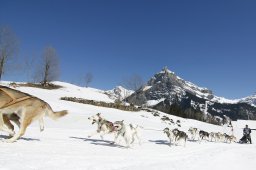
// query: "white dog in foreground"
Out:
[127,131]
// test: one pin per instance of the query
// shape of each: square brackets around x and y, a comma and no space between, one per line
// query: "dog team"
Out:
[23,109]
[130,132]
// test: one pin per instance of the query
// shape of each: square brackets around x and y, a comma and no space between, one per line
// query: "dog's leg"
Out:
[3,126]
[102,133]
[170,144]
[41,124]
[17,122]
[133,138]
[176,140]
[137,136]
[20,133]
[9,125]
[185,141]
[127,141]
[116,137]
[25,122]
[200,139]
[92,134]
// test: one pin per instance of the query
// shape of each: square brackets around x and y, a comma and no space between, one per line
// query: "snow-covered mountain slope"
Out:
[69,90]
[250,100]
[119,93]
[166,92]
[179,87]
[64,143]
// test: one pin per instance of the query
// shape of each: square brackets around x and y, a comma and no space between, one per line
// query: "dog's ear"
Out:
[98,114]
[122,121]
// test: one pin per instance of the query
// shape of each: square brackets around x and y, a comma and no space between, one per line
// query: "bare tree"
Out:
[88,78]
[49,69]
[8,47]
[134,82]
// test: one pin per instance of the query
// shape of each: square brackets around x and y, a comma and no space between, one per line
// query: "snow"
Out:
[154,102]
[250,100]
[224,100]
[118,93]
[64,144]
[146,88]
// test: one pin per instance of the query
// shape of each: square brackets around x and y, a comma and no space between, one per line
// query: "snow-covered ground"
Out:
[64,143]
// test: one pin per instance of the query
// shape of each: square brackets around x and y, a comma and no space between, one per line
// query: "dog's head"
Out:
[175,131]
[118,125]
[95,118]
[191,129]
[166,130]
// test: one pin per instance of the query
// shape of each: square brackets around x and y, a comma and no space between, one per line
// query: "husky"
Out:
[175,135]
[104,126]
[229,138]
[193,132]
[179,135]
[169,134]
[203,135]
[219,137]
[23,109]
[213,136]
[127,131]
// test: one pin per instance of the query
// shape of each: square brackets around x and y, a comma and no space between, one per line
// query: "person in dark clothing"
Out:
[246,135]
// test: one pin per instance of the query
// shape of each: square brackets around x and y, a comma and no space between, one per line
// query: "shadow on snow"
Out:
[101,142]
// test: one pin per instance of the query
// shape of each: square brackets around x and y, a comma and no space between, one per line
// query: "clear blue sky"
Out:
[210,43]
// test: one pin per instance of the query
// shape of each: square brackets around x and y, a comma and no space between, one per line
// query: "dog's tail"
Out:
[55,115]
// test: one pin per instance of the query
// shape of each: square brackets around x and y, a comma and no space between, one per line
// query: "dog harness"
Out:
[109,124]
[13,99]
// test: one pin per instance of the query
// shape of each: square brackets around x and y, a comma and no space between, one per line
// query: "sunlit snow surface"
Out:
[64,143]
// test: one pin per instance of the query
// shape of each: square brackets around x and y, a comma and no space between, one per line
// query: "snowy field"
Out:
[64,143]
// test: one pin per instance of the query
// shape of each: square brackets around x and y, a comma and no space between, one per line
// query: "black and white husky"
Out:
[180,135]
[127,131]
[203,135]
[175,135]
[104,126]
[169,134]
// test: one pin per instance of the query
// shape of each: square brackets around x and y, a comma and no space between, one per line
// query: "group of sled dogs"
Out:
[130,132]
[22,109]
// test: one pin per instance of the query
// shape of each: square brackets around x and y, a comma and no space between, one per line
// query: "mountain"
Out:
[250,100]
[169,93]
[119,93]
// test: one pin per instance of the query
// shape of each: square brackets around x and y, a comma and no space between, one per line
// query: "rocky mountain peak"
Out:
[169,93]
[165,77]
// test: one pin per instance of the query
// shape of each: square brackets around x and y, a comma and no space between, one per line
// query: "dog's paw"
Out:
[8,141]
[112,143]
